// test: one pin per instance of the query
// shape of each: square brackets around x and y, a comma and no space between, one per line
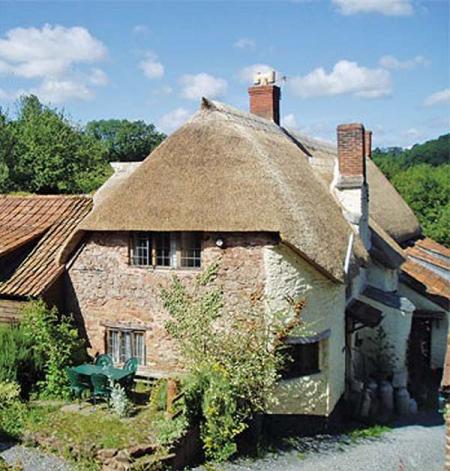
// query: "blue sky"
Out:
[384,63]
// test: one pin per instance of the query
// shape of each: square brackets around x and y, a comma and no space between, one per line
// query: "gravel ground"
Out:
[407,448]
[31,459]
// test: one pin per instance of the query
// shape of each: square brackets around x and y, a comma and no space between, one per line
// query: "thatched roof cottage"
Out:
[285,216]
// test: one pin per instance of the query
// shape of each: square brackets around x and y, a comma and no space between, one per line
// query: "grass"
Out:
[368,433]
[76,436]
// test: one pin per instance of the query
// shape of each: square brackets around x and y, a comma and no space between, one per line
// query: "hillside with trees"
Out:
[43,151]
[422,176]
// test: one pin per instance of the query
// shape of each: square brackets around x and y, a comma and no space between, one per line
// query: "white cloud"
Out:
[289,121]
[197,86]
[346,78]
[33,52]
[391,62]
[247,74]
[385,7]
[98,77]
[60,91]
[151,66]
[438,98]
[140,29]
[174,119]
[245,43]
[53,54]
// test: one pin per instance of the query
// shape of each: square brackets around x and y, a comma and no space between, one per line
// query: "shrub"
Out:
[55,344]
[17,362]
[12,410]
[232,359]
[119,401]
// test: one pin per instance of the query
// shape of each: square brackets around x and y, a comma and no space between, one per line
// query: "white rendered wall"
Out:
[287,274]
[382,277]
[397,326]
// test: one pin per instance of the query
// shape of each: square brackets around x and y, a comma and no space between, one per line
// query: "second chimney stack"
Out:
[265,98]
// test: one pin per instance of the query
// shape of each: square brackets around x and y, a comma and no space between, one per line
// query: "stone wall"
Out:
[104,288]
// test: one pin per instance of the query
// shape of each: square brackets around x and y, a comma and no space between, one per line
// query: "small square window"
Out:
[302,359]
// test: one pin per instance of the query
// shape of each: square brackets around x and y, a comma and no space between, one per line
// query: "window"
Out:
[302,360]
[123,344]
[166,249]
[190,246]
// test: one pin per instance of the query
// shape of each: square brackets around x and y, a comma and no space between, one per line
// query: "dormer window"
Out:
[166,249]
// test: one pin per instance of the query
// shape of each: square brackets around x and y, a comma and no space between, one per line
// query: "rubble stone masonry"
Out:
[104,288]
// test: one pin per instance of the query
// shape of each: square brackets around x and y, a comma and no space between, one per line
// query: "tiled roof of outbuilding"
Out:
[23,219]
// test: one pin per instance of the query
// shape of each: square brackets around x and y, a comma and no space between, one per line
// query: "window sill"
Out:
[166,269]
[306,375]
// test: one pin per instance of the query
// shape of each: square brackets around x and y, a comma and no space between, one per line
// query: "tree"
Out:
[427,191]
[6,146]
[51,154]
[126,141]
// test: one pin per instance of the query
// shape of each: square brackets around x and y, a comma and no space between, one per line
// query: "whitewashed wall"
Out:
[287,274]
[397,326]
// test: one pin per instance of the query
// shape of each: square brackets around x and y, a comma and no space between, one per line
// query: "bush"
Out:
[232,359]
[17,362]
[55,344]
[119,401]
[12,410]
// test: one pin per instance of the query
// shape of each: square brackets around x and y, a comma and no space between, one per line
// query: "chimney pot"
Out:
[265,101]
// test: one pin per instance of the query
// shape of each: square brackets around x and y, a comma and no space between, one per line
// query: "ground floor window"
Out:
[123,344]
[302,359]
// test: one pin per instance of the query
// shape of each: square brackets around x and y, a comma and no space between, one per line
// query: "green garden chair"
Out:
[104,360]
[77,383]
[130,365]
[100,388]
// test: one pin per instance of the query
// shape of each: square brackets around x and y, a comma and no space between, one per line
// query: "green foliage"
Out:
[125,141]
[6,145]
[51,154]
[231,359]
[374,432]
[427,191]
[422,176]
[12,410]
[17,362]
[55,345]
[168,431]
[381,354]
[158,396]
[119,401]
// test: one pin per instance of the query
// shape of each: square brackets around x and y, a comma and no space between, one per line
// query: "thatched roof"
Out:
[386,206]
[226,170]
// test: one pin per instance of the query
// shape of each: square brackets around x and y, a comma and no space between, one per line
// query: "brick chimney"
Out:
[265,97]
[350,181]
[351,151]
[368,144]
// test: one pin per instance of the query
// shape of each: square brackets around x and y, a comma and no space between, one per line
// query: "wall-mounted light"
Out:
[220,243]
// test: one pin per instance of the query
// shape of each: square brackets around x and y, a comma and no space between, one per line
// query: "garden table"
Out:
[114,374]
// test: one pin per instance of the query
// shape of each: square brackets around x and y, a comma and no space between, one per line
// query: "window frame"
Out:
[120,357]
[172,255]
[293,366]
